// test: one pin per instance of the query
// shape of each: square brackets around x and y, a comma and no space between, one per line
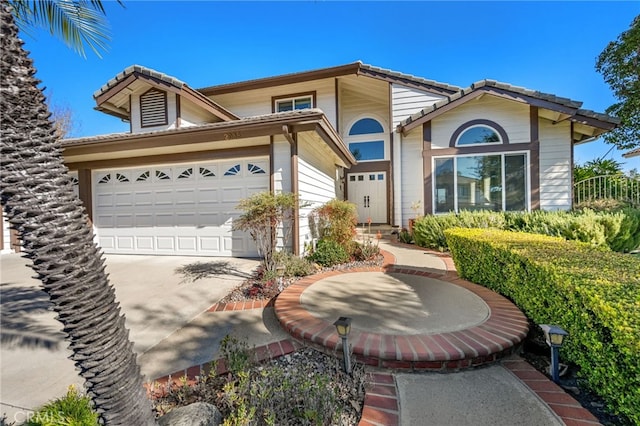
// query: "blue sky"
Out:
[547,46]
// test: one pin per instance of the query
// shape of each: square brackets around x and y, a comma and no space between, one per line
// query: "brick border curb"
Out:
[498,336]
[560,402]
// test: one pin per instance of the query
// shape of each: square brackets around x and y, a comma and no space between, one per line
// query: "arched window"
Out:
[478,135]
[366,140]
[365,126]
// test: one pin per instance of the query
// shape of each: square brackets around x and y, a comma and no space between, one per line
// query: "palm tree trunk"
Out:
[38,198]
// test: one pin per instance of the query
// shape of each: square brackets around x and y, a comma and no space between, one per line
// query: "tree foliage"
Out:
[37,196]
[264,213]
[597,167]
[619,64]
[76,22]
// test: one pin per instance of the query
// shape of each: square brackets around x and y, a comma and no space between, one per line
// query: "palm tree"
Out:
[76,22]
[37,196]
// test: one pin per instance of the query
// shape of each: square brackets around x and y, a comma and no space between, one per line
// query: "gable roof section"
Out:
[283,123]
[108,102]
[632,153]
[566,108]
[355,68]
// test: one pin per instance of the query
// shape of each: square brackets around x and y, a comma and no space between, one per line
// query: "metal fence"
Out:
[608,187]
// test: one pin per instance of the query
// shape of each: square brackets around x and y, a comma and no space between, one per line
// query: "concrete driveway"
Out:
[157,294]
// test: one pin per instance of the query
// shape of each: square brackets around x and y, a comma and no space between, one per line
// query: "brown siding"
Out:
[534,159]
[250,151]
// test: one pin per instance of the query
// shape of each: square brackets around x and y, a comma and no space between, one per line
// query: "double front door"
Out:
[368,191]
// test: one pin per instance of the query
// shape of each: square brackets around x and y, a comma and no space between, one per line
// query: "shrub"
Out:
[72,409]
[428,231]
[329,253]
[404,236]
[592,293]
[628,236]
[263,214]
[335,220]
[619,230]
[295,266]
[365,251]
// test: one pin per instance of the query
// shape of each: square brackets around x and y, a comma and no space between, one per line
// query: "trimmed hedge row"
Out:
[592,293]
[618,230]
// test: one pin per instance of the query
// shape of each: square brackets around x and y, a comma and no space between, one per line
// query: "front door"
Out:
[368,191]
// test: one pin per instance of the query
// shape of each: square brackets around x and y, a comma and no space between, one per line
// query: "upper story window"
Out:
[293,103]
[365,126]
[153,108]
[366,140]
[478,135]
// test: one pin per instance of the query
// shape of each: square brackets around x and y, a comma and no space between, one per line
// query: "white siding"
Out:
[513,117]
[316,183]
[135,115]
[357,104]
[412,175]
[192,115]
[281,165]
[555,165]
[258,102]
[407,101]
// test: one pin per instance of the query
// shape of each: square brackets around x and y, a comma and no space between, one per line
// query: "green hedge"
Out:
[592,293]
[618,230]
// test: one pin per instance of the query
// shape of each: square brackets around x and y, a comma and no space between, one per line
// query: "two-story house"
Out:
[379,138]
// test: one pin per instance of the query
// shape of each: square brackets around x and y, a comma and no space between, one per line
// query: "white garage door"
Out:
[186,209]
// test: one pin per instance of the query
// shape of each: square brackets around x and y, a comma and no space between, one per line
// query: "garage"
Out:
[184,209]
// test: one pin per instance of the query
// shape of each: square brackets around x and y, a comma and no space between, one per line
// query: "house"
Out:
[379,138]
[632,153]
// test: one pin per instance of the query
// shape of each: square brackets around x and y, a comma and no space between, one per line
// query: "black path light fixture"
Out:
[343,326]
[554,336]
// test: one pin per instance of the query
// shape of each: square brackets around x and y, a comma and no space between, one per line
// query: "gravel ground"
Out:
[310,376]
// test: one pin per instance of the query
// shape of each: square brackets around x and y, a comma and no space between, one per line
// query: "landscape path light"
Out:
[554,336]
[343,326]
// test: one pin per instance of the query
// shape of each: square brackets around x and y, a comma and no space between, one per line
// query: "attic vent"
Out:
[153,108]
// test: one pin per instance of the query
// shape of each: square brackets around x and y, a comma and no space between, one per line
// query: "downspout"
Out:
[295,226]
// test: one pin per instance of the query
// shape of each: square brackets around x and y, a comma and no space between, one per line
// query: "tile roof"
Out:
[488,84]
[410,78]
[142,70]
[354,68]
[258,119]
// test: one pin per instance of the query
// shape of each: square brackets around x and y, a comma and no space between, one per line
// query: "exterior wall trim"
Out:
[295,186]
[534,161]
[372,166]
[251,151]
[312,93]
[427,168]
[481,121]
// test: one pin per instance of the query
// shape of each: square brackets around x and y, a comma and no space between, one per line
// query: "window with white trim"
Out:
[479,135]
[366,139]
[495,182]
[290,104]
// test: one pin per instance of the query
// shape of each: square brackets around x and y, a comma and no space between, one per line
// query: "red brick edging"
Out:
[381,403]
[498,336]
[159,386]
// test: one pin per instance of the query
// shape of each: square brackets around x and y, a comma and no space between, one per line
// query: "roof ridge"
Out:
[142,70]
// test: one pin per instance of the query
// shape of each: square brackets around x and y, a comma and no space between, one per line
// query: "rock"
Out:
[196,414]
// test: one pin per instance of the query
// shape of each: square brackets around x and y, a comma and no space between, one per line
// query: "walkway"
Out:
[392,306]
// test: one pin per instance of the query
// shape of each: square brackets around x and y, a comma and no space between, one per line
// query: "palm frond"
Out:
[78,23]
